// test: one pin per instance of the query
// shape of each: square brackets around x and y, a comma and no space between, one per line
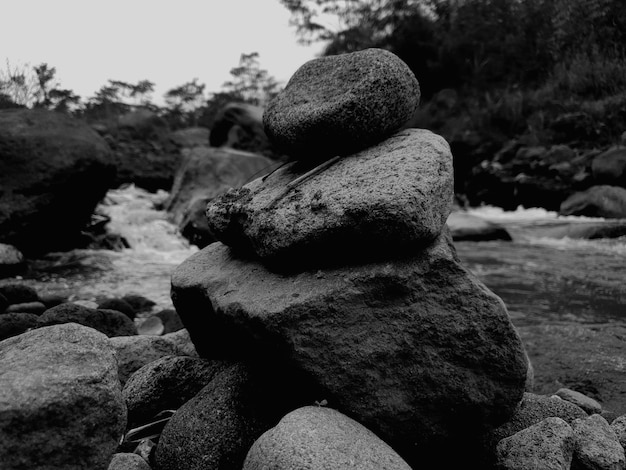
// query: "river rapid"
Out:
[540,279]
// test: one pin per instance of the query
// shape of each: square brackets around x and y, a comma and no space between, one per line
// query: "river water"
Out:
[540,279]
[544,279]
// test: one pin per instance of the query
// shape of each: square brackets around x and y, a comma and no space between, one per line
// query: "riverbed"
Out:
[540,279]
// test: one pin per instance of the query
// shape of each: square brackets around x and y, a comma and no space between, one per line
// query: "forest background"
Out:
[495,76]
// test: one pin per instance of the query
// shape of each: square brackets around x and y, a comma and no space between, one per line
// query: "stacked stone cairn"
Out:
[336,326]
[336,274]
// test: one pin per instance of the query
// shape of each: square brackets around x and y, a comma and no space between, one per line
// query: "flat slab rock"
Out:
[340,104]
[382,200]
[415,349]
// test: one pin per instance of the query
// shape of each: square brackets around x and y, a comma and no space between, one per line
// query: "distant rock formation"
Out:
[54,170]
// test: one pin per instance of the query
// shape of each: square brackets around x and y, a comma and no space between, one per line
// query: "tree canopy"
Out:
[475,44]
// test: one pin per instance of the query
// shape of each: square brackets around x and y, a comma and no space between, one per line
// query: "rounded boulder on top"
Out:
[338,105]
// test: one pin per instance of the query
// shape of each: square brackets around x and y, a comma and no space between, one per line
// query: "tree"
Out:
[250,83]
[475,44]
[63,99]
[18,85]
[184,103]
[141,92]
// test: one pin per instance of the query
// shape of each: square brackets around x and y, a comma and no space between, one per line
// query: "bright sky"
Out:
[166,42]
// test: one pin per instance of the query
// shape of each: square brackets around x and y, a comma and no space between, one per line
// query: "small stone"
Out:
[151,326]
[125,461]
[586,403]
[145,449]
[619,426]
[182,341]
[13,324]
[166,384]
[338,105]
[19,293]
[109,322]
[547,445]
[171,320]
[321,438]
[27,307]
[533,409]
[468,227]
[52,300]
[12,261]
[134,352]
[597,445]
[216,428]
[118,304]
[85,303]
[139,303]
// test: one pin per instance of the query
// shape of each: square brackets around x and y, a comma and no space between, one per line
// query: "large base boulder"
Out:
[416,349]
[61,402]
[54,170]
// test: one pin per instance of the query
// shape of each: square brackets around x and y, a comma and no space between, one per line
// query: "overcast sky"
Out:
[168,42]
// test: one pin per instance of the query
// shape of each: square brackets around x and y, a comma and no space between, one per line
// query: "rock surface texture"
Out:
[365,335]
[387,198]
[315,437]
[338,105]
[343,277]
[547,445]
[165,384]
[216,428]
[61,403]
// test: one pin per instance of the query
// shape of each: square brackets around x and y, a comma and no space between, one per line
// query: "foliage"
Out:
[36,87]
[477,45]
[250,83]
[18,86]
[184,103]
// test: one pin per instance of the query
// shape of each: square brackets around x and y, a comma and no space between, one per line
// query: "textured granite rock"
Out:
[61,403]
[597,445]
[547,445]
[216,428]
[316,437]
[381,201]
[337,105]
[415,349]
[165,384]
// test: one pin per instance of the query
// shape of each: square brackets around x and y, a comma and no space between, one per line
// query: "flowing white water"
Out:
[539,278]
[542,278]
[529,226]
[156,248]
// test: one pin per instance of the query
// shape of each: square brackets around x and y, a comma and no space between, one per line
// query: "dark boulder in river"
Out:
[53,171]
[597,201]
